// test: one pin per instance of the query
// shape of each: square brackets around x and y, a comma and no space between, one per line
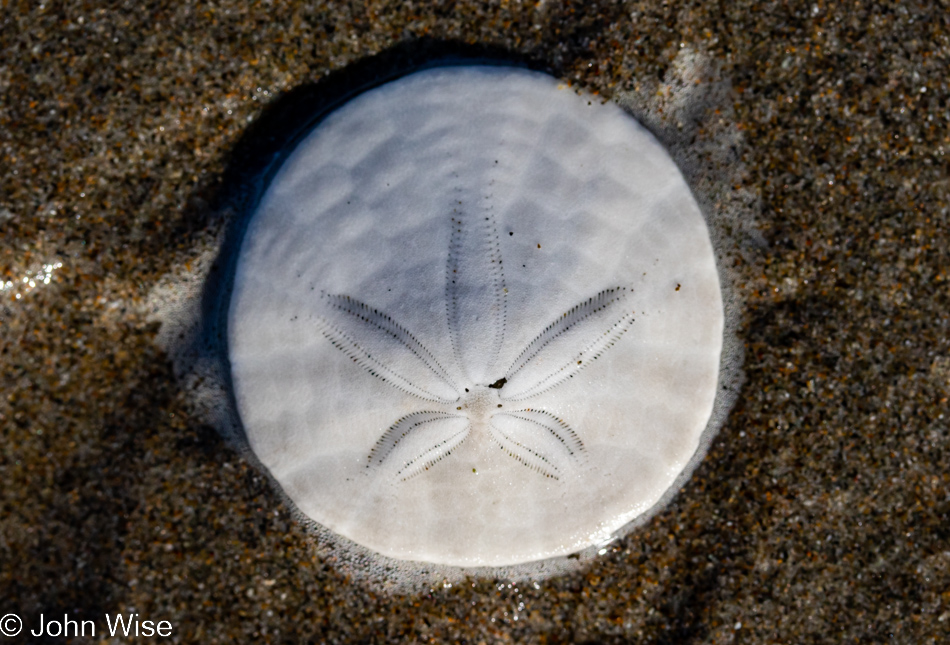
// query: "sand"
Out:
[816,133]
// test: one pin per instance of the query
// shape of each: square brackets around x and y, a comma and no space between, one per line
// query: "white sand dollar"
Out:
[475,320]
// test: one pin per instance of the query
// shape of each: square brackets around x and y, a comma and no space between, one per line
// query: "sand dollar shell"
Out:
[475,320]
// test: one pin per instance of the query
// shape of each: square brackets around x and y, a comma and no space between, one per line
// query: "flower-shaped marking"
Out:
[489,400]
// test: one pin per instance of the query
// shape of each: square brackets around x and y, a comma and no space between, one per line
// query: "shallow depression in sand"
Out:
[475,320]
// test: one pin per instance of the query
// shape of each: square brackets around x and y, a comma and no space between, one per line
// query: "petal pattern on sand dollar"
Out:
[569,344]
[385,349]
[418,441]
[539,440]
[475,293]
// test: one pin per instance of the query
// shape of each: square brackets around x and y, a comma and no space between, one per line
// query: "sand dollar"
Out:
[476,319]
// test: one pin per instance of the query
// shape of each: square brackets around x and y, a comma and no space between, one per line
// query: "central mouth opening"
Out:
[480,401]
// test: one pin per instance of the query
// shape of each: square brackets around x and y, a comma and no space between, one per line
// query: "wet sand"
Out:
[820,513]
